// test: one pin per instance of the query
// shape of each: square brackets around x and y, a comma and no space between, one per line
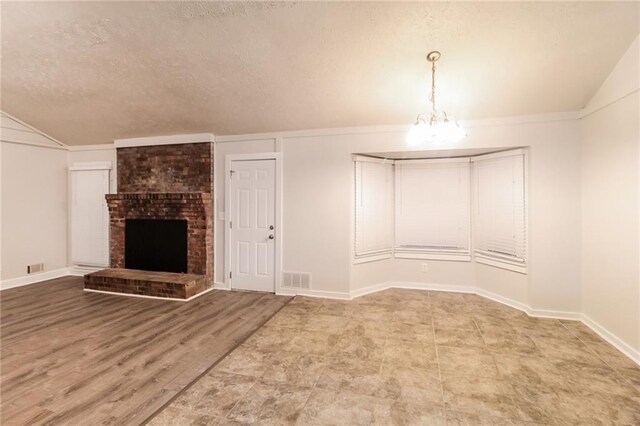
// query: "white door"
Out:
[89,217]
[252,225]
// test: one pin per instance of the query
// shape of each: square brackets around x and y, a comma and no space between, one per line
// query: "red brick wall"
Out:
[195,208]
[166,168]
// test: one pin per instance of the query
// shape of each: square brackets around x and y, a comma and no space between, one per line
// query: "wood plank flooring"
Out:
[73,357]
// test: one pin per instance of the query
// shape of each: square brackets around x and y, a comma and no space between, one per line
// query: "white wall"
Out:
[610,203]
[34,208]
[318,215]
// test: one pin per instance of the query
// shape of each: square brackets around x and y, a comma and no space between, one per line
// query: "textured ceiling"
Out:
[91,72]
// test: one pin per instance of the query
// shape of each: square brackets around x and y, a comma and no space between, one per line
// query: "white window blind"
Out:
[373,207]
[500,218]
[89,215]
[432,206]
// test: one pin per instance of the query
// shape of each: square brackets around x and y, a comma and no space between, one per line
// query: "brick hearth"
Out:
[157,284]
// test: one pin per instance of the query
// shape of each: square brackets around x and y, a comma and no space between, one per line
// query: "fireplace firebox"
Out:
[156,245]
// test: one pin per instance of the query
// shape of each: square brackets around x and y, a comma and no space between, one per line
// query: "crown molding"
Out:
[165,140]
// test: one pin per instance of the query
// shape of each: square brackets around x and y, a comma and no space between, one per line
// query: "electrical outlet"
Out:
[424,267]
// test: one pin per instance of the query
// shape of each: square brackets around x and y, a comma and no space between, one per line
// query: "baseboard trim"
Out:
[612,338]
[80,271]
[33,278]
[314,293]
[142,296]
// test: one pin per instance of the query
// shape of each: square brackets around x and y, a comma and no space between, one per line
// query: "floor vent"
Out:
[296,279]
[36,267]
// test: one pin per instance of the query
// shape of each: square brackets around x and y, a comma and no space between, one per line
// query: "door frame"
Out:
[228,161]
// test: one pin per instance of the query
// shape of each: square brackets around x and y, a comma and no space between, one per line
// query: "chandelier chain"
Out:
[433,87]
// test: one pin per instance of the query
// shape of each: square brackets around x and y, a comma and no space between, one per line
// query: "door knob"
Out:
[271,227]
[271,236]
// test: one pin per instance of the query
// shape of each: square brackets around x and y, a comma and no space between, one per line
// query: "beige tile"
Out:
[407,413]
[306,304]
[631,374]
[462,321]
[346,362]
[510,343]
[285,319]
[466,362]
[588,379]
[360,348]
[409,354]
[609,354]
[538,403]
[363,381]
[294,369]
[270,338]
[458,418]
[458,337]
[569,407]
[312,342]
[331,324]
[374,361]
[358,327]
[532,371]
[246,361]
[581,331]
[412,316]
[417,385]
[373,312]
[411,332]
[336,307]
[480,395]
[447,297]
[566,349]
[215,394]
[179,416]
[541,327]
[492,324]
[326,407]
[270,404]
[448,308]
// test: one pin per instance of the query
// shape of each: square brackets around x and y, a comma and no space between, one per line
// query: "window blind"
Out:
[433,205]
[373,207]
[500,207]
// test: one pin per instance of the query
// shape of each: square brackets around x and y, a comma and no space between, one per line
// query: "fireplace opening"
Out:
[155,245]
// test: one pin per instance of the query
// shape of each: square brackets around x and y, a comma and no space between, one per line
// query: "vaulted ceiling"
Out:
[91,72]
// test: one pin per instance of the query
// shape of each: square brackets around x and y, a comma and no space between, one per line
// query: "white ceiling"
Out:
[91,72]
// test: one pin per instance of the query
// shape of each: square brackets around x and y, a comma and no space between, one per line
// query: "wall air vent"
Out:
[36,267]
[296,280]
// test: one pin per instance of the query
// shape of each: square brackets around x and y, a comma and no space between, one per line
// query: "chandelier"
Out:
[439,127]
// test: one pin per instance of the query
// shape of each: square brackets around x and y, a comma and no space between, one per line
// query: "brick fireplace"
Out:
[162,182]
[194,207]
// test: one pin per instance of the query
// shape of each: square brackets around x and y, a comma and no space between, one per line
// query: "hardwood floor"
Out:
[72,357]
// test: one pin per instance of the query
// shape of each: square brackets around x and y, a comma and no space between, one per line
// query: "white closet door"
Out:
[89,217]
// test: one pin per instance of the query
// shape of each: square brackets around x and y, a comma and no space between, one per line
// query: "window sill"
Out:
[371,258]
[456,257]
[501,263]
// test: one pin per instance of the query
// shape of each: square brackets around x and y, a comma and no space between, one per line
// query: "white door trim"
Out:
[277,156]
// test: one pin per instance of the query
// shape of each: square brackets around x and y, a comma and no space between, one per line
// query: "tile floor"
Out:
[414,357]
